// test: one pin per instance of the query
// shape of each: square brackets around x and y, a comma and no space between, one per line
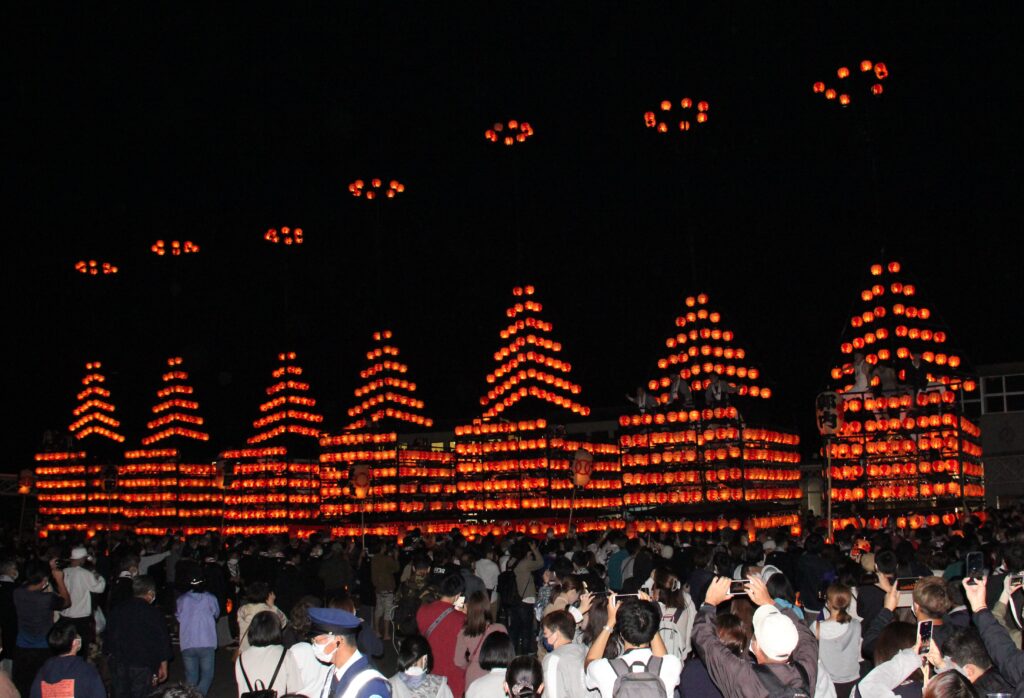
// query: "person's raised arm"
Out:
[1006,656]
[58,581]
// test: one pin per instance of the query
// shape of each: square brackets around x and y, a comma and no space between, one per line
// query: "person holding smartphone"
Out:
[930,602]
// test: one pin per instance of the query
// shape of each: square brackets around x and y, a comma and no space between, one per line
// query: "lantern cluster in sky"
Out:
[175,248]
[376,189]
[901,436]
[843,92]
[509,134]
[681,118]
[94,268]
[284,236]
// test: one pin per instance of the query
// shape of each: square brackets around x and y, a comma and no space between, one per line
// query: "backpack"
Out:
[670,635]
[260,690]
[508,589]
[775,688]
[637,684]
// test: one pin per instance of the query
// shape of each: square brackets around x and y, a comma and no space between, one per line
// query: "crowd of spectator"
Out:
[895,612]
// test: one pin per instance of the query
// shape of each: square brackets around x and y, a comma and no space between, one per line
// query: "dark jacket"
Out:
[735,676]
[884,617]
[1008,659]
[85,680]
[137,635]
[8,619]
[812,572]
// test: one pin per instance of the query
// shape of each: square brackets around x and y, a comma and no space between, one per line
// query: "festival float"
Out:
[693,465]
[380,474]
[273,485]
[896,440]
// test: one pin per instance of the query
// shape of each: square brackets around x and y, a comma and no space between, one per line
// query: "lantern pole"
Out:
[828,480]
[960,446]
[572,505]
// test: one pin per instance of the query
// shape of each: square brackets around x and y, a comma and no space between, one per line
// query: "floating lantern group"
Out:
[511,133]
[376,190]
[668,117]
[870,73]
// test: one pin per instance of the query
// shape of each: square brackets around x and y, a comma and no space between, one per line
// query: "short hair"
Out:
[814,544]
[560,622]
[779,587]
[638,620]
[497,652]
[265,630]
[886,562]
[524,676]
[964,646]
[35,572]
[1013,555]
[61,637]
[410,651]
[562,566]
[932,597]
[143,584]
[257,592]
[452,585]
[9,567]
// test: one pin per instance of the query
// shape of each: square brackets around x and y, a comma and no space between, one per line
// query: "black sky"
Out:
[129,124]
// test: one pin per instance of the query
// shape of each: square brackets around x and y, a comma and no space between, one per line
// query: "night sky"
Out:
[213,124]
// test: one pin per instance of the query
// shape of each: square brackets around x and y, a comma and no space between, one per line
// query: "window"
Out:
[1002,394]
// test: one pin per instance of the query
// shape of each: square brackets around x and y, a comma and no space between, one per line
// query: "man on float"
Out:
[334,643]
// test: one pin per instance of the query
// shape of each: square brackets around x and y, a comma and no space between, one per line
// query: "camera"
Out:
[739,587]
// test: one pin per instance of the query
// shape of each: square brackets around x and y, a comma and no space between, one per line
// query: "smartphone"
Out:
[924,635]
[1016,579]
[975,565]
[739,587]
[906,583]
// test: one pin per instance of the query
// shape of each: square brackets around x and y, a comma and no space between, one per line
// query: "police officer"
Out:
[334,643]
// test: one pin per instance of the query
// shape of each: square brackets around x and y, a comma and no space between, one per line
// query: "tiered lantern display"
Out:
[706,457]
[901,442]
[367,469]
[76,490]
[524,468]
[272,490]
[159,490]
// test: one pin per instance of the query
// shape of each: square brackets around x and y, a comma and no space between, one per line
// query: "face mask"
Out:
[321,654]
[415,671]
[548,647]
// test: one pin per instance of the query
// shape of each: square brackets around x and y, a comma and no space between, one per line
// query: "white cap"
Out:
[667,551]
[775,633]
[79,553]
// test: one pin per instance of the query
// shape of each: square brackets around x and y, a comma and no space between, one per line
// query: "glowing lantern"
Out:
[843,72]
[818,87]
[666,105]
[876,89]
[844,100]
[865,66]
[830,93]
[881,72]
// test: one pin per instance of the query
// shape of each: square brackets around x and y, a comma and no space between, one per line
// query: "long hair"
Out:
[478,614]
[668,589]
[839,596]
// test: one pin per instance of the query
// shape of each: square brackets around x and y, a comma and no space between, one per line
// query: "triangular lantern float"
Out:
[272,488]
[377,467]
[76,489]
[159,487]
[900,443]
[521,470]
[691,459]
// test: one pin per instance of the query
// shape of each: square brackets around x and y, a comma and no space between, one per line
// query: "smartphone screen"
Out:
[1016,580]
[975,565]
[924,635]
[738,587]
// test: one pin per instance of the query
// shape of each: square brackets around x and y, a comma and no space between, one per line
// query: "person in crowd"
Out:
[637,620]
[367,640]
[414,679]
[496,654]
[782,645]
[861,374]
[679,392]
[677,612]
[644,401]
[1008,659]
[479,624]
[138,642]
[966,653]
[349,672]
[917,373]
[839,639]
[566,592]
[951,684]
[197,612]
[121,587]
[296,637]
[930,602]
[470,580]
[82,582]
[897,665]
[384,570]
[35,602]
[871,593]
[527,559]
[440,622]
[8,614]
[696,680]
[266,660]
[563,664]
[524,678]
[813,574]
[486,568]
[258,598]
[66,673]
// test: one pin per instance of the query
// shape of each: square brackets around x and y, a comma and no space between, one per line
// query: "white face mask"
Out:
[321,654]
